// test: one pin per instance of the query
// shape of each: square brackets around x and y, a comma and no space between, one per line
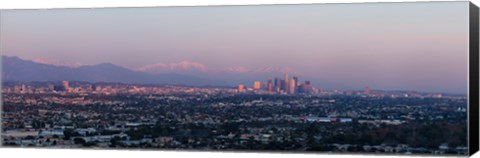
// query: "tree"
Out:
[79,141]
[67,134]
[29,137]
[114,141]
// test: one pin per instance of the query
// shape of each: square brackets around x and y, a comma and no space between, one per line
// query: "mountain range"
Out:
[188,73]
[181,73]
[16,69]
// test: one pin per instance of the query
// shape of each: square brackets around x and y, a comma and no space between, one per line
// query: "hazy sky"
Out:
[407,46]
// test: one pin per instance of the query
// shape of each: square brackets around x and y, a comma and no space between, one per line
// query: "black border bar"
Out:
[473,116]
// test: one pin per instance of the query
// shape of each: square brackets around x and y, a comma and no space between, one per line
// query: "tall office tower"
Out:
[301,88]
[296,81]
[275,83]
[282,85]
[269,86]
[292,87]
[278,84]
[256,85]
[65,85]
[307,87]
[367,91]
[241,88]
[287,84]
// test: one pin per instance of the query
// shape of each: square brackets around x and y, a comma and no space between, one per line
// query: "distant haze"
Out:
[390,46]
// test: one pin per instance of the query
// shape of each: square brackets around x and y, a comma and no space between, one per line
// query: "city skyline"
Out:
[350,48]
[264,78]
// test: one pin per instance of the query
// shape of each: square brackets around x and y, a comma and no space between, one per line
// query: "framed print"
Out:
[360,78]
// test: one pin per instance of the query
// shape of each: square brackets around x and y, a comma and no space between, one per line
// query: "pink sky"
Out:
[413,46]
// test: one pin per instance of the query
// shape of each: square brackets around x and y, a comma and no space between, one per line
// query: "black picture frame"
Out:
[473,116]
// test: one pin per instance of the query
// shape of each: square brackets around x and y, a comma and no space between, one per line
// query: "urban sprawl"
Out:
[276,115]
